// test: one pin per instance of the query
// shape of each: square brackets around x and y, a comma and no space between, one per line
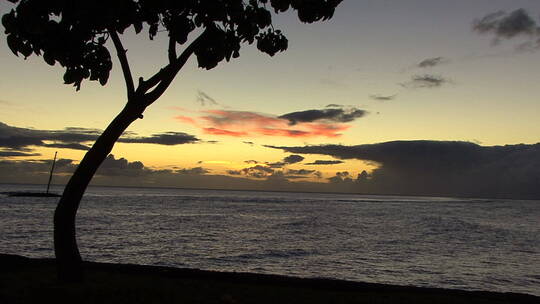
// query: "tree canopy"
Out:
[74,33]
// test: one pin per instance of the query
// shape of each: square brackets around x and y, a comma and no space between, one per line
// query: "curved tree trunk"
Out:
[68,258]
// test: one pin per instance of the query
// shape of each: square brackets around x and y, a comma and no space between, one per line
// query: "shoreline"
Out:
[443,196]
[28,279]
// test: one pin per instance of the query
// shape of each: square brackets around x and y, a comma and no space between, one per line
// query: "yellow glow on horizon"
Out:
[216,162]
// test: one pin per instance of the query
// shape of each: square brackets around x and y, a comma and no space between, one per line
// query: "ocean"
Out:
[470,244]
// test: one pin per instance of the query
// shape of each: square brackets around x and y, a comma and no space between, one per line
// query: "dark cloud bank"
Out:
[439,168]
[326,162]
[436,168]
[121,172]
[112,172]
[16,141]
[406,167]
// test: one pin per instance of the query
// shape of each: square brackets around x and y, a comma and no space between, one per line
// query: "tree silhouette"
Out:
[74,34]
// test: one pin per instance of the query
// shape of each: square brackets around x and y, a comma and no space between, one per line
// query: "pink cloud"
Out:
[185,119]
[215,131]
[252,124]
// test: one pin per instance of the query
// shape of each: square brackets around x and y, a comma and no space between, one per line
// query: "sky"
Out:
[428,97]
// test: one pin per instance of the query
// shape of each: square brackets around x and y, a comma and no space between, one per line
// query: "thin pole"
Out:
[50,175]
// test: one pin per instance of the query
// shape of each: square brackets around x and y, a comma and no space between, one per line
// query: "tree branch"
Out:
[172,50]
[121,52]
[162,79]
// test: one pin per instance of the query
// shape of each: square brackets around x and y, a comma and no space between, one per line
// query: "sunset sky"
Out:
[379,71]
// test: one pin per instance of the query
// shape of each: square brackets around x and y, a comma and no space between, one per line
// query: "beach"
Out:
[25,280]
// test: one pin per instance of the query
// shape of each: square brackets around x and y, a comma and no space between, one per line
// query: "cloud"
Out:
[306,124]
[249,143]
[383,97]
[341,177]
[504,26]
[111,167]
[22,139]
[436,168]
[275,165]
[194,171]
[72,146]
[300,172]
[216,131]
[204,99]
[274,170]
[234,172]
[326,162]
[167,138]
[122,172]
[432,62]
[332,115]
[426,81]
[121,167]
[16,154]
[293,159]
[270,172]
[442,168]
[258,171]
[33,171]
[507,25]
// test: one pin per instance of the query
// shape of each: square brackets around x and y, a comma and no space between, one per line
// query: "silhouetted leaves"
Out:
[280,5]
[74,33]
[272,42]
[13,44]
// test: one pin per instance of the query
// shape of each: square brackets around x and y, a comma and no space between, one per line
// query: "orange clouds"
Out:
[215,131]
[251,124]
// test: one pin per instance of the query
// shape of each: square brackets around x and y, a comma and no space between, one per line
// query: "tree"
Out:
[74,34]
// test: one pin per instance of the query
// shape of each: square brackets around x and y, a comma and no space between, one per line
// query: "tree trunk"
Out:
[68,258]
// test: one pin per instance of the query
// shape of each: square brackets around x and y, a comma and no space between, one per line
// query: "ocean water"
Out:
[472,244]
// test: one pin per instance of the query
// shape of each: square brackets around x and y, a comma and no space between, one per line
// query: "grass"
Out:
[24,280]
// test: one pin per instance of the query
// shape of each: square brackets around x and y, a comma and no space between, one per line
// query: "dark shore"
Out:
[24,280]
[31,194]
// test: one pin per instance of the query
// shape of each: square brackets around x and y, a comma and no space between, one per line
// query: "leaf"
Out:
[104,78]
[49,59]
[138,27]
[13,44]
[264,18]
[8,20]
[152,32]
[69,77]
[25,49]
